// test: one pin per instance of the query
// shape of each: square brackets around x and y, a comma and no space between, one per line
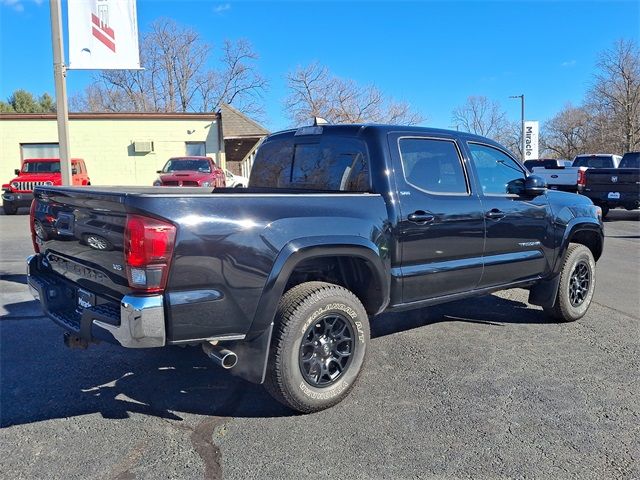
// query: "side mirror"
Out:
[17,171]
[534,185]
[158,171]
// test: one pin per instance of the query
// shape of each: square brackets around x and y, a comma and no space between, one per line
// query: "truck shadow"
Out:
[487,310]
[40,379]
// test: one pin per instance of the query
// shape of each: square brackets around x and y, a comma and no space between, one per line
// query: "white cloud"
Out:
[568,64]
[18,5]
[223,7]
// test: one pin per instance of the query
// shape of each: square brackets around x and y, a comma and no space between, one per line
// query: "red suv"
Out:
[38,171]
[190,172]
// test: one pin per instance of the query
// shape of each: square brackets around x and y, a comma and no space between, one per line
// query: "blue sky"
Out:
[431,54]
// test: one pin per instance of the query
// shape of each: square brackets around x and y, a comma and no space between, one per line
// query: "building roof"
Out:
[236,124]
[113,116]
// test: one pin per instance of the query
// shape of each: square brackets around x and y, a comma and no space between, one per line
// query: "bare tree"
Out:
[481,116]
[315,92]
[568,133]
[614,97]
[237,83]
[176,77]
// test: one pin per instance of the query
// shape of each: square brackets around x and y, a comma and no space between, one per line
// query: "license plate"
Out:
[614,195]
[86,299]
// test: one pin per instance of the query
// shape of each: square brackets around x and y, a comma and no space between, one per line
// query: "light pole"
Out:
[59,73]
[521,97]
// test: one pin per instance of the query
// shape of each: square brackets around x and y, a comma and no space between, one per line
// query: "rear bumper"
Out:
[17,199]
[626,199]
[136,322]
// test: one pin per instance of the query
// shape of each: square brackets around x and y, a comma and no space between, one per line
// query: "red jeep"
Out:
[190,172]
[38,171]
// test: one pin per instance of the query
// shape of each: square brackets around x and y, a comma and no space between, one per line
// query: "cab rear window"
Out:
[323,163]
[594,162]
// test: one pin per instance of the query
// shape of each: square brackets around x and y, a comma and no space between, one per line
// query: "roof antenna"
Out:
[319,121]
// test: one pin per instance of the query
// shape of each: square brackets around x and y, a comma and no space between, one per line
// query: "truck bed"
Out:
[227,241]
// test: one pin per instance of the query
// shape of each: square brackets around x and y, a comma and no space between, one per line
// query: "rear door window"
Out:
[433,165]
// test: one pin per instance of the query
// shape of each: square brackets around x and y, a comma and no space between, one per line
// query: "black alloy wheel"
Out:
[579,283]
[326,350]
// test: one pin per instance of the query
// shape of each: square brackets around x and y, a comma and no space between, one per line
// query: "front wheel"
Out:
[577,285]
[319,346]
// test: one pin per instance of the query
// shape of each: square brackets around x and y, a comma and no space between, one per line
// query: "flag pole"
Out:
[59,74]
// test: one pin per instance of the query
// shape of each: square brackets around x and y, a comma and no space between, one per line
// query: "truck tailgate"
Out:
[610,179]
[81,236]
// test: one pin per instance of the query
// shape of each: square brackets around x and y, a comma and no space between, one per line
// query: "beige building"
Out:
[128,148]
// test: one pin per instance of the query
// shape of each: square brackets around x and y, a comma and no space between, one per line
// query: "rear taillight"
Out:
[32,223]
[582,178]
[148,248]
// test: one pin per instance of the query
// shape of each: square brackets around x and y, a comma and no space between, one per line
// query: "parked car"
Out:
[613,187]
[235,181]
[38,171]
[278,281]
[597,160]
[190,172]
[558,174]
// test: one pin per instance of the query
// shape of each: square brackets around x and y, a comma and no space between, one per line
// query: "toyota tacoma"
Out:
[278,282]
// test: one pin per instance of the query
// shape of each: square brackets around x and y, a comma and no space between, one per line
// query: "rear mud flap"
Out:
[253,356]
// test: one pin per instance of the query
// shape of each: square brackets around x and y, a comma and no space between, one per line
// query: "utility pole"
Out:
[59,74]
[524,143]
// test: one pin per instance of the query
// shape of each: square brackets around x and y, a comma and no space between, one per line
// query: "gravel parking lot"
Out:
[483,388]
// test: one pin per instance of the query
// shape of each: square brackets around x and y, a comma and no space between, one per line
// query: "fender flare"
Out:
[544,292]
[253,352]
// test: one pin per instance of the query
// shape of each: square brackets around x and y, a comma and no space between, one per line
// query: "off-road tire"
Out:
[9,209]
[563,310]
[297,311]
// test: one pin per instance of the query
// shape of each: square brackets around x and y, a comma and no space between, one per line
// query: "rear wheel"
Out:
[9,209]
[605,210]
[319,346]
[577,285]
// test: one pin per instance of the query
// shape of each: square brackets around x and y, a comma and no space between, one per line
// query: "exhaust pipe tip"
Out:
[221,356]
[229,359]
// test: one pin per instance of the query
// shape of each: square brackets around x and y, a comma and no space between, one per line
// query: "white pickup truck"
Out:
[558,174]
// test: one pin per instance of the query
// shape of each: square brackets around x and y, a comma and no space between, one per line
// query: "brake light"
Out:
[582,178]
[32,224]
[148,248]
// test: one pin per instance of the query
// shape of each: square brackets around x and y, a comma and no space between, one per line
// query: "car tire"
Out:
[577,285]
[319,346]
[605,210]
[9,209]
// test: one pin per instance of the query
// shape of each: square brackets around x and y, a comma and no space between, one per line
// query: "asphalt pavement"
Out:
[481,388]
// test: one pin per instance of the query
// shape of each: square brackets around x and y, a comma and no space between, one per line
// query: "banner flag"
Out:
[531,134]
[103,34]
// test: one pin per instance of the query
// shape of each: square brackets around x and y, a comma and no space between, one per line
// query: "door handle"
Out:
[494,213]
[420,217]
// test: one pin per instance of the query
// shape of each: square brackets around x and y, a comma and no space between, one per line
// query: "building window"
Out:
[196,149]
[39,150]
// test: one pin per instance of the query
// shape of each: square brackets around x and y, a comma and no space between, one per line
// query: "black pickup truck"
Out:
[613,187]
[278,282]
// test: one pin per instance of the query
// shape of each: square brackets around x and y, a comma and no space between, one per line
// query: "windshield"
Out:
[181,165]
[41,167]
[630,160]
